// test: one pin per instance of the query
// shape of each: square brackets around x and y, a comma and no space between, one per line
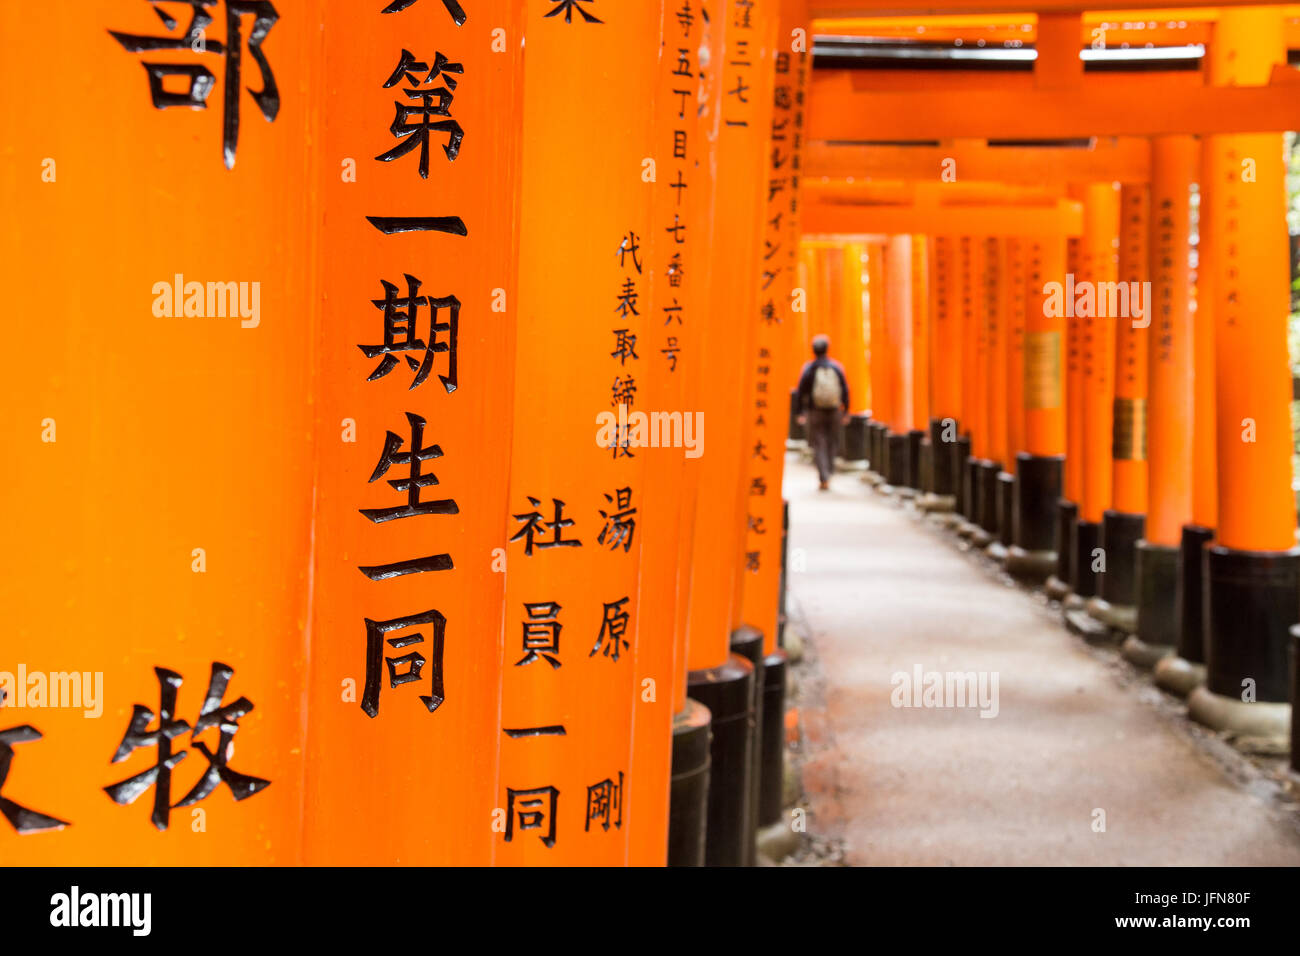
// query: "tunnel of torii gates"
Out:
[461,540]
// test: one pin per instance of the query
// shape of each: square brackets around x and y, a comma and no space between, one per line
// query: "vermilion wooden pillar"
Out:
[748,637]
[416,348]
[973,400]
[1184,671]
[879,367]
[800,333]
[1252,571]
[946,389]
[920,392]
[577,485]
[1095,336]
[830,316]
[851,350]
[898,334]
[1170,391]
[777,367]
[1042,516]
[1072,270]
[672,377]
[993,363]
[739,123]
[1013,374]
[1076,267]
[1129,314]
[123,553]
[779,279]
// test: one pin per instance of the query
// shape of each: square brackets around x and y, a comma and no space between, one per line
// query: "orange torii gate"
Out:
[1129,400]
[434,505]
[460,618]
[899,443]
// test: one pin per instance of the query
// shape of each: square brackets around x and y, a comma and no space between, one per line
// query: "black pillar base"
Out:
[772,776]
[961,474]
[876,448]
[896,460]
[796,432]
[927,466]
[1190,596]
[1183,671]
[985,478]
[1157,584]
[1155,571]
[1086,539]
[1006,506]
[942,462]
[785,572]
[1295,698]
[1036,542]
[1067,516]
[914,471]
[1120,533]
[854,449]
[728,692]
[1250,605]
[747,641]
[689,788]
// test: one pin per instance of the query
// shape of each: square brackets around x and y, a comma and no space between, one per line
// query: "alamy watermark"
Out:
[212,300]
[651,430]
[1102,300]
[82,690]
[946,689]
[133,911]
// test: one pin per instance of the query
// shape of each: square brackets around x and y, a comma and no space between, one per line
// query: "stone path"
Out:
[1076,732]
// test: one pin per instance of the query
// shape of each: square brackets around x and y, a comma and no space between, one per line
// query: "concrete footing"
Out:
[1141,654]
[1255,725]
[1079,621]
[1178,676]
[1056,589]
[1121,617]
[1030,565]
[777,840]
[930,502]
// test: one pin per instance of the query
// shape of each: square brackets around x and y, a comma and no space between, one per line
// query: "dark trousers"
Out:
[824,437]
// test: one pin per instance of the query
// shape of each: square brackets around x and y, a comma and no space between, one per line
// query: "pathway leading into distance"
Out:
[883,592]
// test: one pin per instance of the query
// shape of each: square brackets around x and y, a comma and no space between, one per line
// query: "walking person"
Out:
[823,407]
